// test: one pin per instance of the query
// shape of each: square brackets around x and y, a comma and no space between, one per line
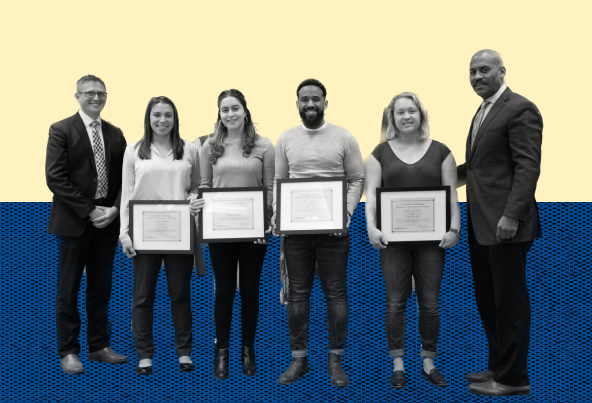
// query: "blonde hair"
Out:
[392,132]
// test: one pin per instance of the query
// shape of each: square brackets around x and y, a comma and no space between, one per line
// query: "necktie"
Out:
[99,160]
[478,121]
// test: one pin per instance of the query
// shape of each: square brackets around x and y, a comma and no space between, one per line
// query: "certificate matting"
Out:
[161,226]
[233,214]
[419,214]
[311,205]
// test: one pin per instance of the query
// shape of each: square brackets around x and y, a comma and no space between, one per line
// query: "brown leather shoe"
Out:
[107,355]
[336,372]
[492,388]
[297,369]
[71,365]
[476,377]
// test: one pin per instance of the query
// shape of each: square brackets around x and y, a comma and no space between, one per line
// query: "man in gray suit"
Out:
[503,158]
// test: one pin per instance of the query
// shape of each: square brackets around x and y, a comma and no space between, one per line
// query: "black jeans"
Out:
[331,254]
[426,264]
[178,272]
[94,248]
[501,293]
[224,258]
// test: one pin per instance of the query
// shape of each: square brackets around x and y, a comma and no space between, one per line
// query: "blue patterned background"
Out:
[559,280]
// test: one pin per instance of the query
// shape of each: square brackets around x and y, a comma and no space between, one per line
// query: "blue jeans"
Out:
[426,264]
[331,254]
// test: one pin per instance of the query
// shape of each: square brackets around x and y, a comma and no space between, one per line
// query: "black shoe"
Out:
[144,370]
[435,378]
[336,372]
[297,369]
[398,379]
[248,361]
[186,366]
[221,364]
[477,377]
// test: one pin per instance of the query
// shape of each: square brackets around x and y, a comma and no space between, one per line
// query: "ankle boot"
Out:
[297,369]
[336,372]
[248,361]
[221,364]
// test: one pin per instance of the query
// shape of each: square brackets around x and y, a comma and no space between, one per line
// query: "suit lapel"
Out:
[106,129]
[493,111]
[81,129]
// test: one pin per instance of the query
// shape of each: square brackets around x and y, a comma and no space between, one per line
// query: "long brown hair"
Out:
[176,141]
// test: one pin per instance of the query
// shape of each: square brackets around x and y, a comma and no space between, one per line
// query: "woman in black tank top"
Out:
[410,159]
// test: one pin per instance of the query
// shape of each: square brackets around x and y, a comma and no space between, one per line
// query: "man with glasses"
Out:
[83,170]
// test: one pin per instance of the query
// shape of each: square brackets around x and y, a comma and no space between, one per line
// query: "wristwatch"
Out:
[456,231]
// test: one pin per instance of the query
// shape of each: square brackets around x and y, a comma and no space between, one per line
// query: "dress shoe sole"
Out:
[249,374]
[302,375]
[429,379]
[69,372]
[221,377]
[339,386]
[107,361]
[149,372]
[517,393]
[187,369]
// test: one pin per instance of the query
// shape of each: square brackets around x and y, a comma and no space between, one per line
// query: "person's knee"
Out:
[396,306]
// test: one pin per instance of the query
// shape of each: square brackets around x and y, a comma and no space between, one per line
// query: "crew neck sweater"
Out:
[327,151]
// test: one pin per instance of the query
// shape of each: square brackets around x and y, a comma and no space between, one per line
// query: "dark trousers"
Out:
[426,264]
[178,272]
[331,254]
[501,293]
[95,248]
[224,258]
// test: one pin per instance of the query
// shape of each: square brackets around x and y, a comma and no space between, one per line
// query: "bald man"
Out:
[503,159]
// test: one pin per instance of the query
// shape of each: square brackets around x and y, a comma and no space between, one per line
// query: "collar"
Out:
[498,94]
[317,130]
[87,119]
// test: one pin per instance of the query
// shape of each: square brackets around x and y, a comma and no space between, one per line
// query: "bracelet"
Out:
[455,231]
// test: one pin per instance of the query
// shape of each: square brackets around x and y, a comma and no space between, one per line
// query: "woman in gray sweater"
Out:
[236,156]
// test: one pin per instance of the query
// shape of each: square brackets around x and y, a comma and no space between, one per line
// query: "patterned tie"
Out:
[478,121]
[100,160]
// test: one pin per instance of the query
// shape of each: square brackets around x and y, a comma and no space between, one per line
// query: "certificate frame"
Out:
[213,222]
[178,210]
[413,215]
[330,218]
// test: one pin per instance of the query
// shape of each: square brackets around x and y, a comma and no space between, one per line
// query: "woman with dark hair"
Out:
[161,166]
[236,156]
[408,158]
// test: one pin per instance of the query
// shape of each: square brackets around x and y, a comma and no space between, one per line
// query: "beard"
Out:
[312,122]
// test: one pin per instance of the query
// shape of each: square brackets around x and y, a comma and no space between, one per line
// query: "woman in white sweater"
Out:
[161,166]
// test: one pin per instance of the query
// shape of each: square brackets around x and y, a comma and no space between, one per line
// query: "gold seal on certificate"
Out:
[161,226]
[412,215]
[233,213]
[311,205]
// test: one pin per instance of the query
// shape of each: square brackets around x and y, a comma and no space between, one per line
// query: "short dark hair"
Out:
[312,81]
[90,77]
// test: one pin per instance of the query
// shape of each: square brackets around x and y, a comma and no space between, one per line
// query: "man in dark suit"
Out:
[503,159]
[83,170]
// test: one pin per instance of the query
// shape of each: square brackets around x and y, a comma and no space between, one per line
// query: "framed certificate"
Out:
[311,206]
[233,215]
[161,226]
[411,215]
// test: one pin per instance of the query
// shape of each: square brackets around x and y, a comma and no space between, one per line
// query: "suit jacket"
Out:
[502,169]
[71,174]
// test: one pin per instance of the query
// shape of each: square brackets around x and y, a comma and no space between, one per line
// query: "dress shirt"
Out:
[492,100]
[159,178]
[87,123]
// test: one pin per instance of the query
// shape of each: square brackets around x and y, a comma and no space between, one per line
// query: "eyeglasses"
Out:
[91,94]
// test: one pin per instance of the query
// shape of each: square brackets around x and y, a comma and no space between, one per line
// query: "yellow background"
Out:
[364,52]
